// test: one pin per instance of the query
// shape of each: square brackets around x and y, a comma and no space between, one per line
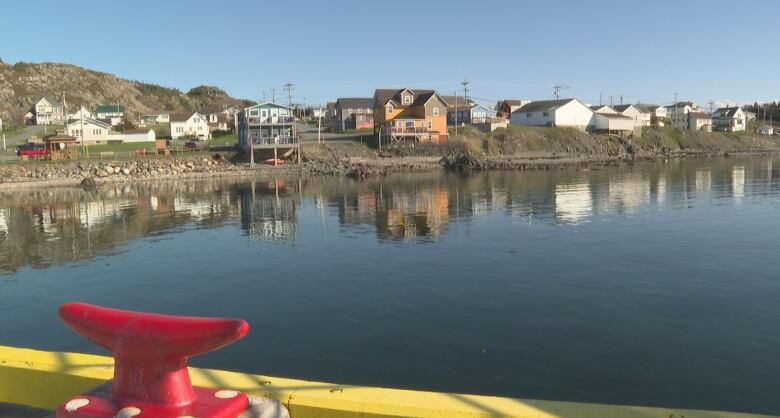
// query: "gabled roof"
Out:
[646,108]
[421,97]
[612,116]
[460,100]
[51,101]
[544,105]
[355,102]
[680,104]
[110,109]
[699,115]
[623,108]
[512,102]
[597,108]
[91,121]
[259,105]
[184,117]
[726,112]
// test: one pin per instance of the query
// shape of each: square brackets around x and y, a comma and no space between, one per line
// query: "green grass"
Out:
[12,131]
[224,141]
[129,146]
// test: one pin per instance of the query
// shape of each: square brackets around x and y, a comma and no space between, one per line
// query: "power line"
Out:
[289,87]
[465,90]
[558,87]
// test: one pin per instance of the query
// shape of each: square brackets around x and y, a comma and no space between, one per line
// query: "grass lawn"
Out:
[12,131]
[224,141]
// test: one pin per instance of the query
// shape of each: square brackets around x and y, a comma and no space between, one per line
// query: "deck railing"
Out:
[274,140]
[257,120]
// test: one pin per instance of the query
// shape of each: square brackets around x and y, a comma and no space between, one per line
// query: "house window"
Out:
[390,109]
[528,115]
[349,111]
[360,110]
[435,111]
[407,99]
[545,114]
[430,124]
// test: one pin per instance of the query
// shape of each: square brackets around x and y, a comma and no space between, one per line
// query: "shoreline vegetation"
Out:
[512,148]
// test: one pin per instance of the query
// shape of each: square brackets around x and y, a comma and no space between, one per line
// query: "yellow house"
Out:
[402,115]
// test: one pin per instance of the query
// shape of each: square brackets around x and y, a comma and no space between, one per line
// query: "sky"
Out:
[720,51]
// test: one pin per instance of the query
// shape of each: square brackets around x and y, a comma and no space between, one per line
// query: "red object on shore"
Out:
[272,161]
[150,372]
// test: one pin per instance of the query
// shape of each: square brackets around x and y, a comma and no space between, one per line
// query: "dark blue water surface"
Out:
[652,284]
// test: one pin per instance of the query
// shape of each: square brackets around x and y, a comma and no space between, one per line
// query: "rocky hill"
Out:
[23,84]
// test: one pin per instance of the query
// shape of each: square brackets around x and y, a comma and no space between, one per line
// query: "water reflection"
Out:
[46,227]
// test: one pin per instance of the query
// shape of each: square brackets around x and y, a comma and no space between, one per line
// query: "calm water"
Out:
[657,284]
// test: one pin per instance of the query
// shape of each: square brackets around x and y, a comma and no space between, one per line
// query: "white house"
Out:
[678,114]
[192,126]
[640,116]
[156,118]
[731,119]
[603,109]
[657,114]
[48,111]
[613,123]
[699,121]
[94,131]
[564,112]
[81,113]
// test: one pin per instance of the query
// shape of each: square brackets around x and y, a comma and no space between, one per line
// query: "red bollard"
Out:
[150,371]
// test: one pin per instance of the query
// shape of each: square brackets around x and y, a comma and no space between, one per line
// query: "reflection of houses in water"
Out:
[573,202]
[703,180]
[738,183]
[424,213]
[627,194]
[269,211]
[4,222]
[199,209]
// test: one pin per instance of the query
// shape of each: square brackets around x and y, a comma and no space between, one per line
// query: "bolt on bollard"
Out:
[150,372]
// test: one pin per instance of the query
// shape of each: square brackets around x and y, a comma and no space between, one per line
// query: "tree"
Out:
[126,123]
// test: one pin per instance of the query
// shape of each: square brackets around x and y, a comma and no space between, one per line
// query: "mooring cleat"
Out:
[150,372]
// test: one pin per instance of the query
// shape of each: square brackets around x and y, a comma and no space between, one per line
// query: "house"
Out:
[613,123]
[468,113]
[268,126]
[699,121]
[156,118]
[403,115]
[730,119]
[81,113]
[641,117]
[112,113]
[563,112]
[657,113]
[766,131]
[189,126]
[678,114]
[47,111]
[505,108]
[603,109]
[353,113]
[89,131]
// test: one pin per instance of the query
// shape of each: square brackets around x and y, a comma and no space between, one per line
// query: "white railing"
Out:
[274,140]
[256,120]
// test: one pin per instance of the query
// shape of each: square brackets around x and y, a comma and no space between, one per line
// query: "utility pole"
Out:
[558,87]
[600,100]
[710,103]
[289,87]
[319,126]
[610,101]
[456,113]
[621,100]
[465,90]
[273,95]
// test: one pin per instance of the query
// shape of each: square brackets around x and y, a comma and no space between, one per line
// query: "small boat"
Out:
[272,161]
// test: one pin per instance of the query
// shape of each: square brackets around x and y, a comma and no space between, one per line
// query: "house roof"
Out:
[725,112]
[512,102]
[110,109]
[51,101]
[680,104]
[699,115]
[355,102]
[462,102]
[420,96]
[181,117]
[623,108]
[91,121]
[259,105]
[613,116]
[646,108]
[599,107]
[544,105]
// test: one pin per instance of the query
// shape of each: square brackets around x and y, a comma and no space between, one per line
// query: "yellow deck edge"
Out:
[43,379]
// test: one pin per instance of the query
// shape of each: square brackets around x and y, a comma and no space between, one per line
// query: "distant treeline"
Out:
[765,111]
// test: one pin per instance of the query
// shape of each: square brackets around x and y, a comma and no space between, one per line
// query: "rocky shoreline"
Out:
[336,163]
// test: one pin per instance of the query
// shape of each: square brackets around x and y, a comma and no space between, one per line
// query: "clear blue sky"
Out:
[646,51]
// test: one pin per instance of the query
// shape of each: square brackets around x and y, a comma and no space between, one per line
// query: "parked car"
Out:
[32,150]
